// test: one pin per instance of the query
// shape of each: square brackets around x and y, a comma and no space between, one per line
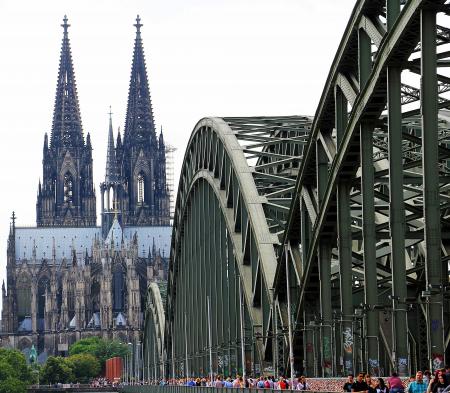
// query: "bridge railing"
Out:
[194,389]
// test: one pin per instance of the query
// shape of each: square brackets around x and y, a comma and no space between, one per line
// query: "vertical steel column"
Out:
[324,271]
[242,323]
[232,311]
[430,144]
[289,313]
[275,336]
[325,308]
[310,354]
[210,342]
[397,209]
[202,236]
[186,344]
[368,209]
[344,245]
[173,353]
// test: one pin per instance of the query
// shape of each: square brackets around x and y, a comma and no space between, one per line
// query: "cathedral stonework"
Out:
[68,279]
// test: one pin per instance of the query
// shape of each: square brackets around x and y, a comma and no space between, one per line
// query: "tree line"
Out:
[86,360]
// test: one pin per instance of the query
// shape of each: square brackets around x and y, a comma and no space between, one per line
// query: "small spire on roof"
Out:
[53,249]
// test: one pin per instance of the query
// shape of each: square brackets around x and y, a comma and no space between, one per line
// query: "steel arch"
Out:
[154,327]
[234,193]
[367,228]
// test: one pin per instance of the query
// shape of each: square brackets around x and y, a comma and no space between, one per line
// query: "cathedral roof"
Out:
[95,320]
[66,129]
[139,123]
[73,322]
[121,320]
[115,233]
[66,239]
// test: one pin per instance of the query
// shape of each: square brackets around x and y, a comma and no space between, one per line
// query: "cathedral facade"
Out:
[68,278]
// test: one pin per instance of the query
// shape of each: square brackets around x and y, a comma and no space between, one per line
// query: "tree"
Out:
[13,385]
[85,367]
[15,374]
[100,348]
[16,360]
[110,348]
[86,345]
[57,370]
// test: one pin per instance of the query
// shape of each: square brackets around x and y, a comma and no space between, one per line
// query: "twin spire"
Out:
[67,129]
[139,122]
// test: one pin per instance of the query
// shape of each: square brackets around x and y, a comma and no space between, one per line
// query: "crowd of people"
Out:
[103,382]
[421,382]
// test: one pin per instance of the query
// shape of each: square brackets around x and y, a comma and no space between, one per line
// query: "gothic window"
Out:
[68,188]
[141,188]
[95,296]
[23,298]
[43,290]
[118,288]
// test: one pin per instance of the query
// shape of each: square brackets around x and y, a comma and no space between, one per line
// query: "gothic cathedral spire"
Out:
[140,194]
[66,196]
[139,122]
[66,129]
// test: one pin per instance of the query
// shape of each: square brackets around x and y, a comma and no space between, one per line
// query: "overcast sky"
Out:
[204,58]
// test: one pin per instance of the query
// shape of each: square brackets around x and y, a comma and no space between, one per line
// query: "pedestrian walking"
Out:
[302,384]
[348,385]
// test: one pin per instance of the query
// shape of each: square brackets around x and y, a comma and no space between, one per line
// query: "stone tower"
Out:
[66,196]
[139,194]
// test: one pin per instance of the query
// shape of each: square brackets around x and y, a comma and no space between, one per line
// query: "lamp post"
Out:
[130,363]
[136,357]
[124,375]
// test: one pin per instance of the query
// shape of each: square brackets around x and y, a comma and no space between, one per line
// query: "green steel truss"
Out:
[233,199]
[348,214]
[153,362]
[367,232]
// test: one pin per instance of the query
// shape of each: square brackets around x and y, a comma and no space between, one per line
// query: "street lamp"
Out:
[130,362]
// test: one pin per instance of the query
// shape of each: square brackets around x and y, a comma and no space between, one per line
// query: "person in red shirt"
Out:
[282,384]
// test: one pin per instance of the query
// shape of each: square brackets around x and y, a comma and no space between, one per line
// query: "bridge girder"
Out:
[154,327]
[359,198]
[233,198]
[369,215]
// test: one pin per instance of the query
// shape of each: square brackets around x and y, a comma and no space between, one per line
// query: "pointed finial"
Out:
[138,25]
[13,219]
[110,113]
[65,25]
[53,249]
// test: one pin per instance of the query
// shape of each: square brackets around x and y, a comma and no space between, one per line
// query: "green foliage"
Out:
[57,369]
[15,374]
[100,348]
[86,345]
[13,385]
[85,367]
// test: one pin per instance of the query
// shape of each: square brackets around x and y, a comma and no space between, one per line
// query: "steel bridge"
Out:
[321,245]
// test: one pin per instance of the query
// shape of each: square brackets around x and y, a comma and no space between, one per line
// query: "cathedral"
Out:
[68,278]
